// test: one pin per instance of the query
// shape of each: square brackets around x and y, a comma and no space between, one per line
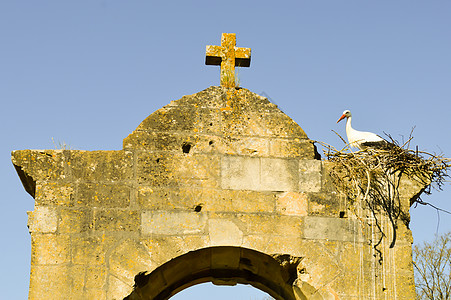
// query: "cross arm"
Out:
[213,55]
[242,57]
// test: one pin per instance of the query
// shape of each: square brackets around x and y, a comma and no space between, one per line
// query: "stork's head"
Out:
[346,114]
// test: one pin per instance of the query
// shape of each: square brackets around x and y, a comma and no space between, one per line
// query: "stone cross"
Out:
[228,56]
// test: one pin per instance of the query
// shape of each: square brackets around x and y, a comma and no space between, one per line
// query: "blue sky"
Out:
[88,72]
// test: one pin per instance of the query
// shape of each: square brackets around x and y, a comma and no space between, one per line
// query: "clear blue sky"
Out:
[88,72]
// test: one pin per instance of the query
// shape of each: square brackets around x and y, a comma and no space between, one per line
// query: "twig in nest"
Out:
[340,137]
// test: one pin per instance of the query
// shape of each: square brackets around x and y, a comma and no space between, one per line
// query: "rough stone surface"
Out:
[212,187]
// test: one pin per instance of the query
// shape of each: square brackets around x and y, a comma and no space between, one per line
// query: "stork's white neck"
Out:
[349,129]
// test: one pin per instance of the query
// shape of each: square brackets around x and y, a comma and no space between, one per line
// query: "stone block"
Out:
[320,267]
[49,280]
[118,288]
[176,270]
[240,173]
[197,170]
[154,141]
[185,198]
[159,283]
[198,199]
[309,175]
[279,244]
[77,283]
[258,174]
[279,174]
[164,248]
[327,204]
[271,224]
[225,258]
[224,233]
[292,203]
[291,148]
[90,250]
[402,258]
[101,166]
[405,286]
[98,294]
[241,119]
[170,223]
[404,235]
[43,219]
[243,201]
[335,229]
[148,197]
[155,169]
[278,124]
[212,97]
[214,200]
[102,195]
[42,165]
[174,142]
[328,183]
[412,187]
[95,278]
[50,249]
[75,220]
[256,241]
[116,220]
[54,193]
[247,146]
[175,170]
[350,281]
[128,259]
[235,122]
[182,118]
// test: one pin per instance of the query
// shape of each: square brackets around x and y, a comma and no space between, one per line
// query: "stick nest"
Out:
[374,175]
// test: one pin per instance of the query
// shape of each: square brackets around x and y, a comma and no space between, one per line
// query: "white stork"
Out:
[362,139]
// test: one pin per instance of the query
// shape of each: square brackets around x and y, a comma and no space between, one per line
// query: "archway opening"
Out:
[223,265]
[209,291]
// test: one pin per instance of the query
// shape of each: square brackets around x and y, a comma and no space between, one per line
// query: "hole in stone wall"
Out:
[198,208]
[317,155]
[186,147]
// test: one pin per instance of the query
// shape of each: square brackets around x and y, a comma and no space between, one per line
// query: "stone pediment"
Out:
[224,121]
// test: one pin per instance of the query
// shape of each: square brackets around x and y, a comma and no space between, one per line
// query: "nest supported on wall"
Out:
[374,176]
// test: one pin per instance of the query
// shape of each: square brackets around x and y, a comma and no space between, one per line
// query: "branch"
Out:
[419,201]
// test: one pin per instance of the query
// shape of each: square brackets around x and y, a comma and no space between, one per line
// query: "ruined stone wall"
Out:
[222,172]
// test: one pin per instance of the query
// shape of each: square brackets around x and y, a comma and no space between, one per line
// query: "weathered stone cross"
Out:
[228,56]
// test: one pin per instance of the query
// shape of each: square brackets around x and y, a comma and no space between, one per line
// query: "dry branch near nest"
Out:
[373,176]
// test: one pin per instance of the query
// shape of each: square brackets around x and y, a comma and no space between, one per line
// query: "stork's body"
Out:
[361,139]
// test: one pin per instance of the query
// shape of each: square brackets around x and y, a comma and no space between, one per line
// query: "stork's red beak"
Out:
[341,118]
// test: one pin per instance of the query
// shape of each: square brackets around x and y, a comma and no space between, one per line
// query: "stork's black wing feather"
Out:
[380,145]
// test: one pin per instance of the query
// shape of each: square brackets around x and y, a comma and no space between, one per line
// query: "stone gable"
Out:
[218,186]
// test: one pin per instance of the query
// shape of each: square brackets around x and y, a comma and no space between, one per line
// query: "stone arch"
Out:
[221,265]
